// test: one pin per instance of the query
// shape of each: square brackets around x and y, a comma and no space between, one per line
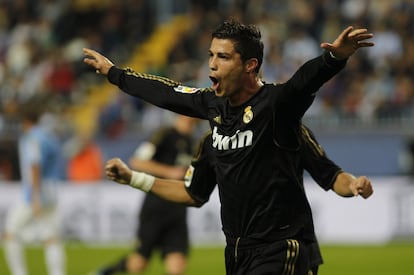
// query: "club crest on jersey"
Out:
[185,89]
[248,114]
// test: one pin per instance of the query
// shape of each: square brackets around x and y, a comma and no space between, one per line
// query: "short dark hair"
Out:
[247,39]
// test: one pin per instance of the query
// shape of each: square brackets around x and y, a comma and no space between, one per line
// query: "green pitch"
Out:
[395,258]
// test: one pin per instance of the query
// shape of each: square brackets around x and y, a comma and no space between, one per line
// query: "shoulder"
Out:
[269,90]
[270,87]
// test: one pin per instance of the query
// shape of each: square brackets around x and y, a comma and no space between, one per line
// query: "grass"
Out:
[82,259]
[392,259]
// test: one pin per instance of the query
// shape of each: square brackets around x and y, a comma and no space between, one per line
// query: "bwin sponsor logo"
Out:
[238,140]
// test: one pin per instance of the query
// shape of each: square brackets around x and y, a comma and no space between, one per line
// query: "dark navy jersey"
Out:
[255,145]
[315,161]
[324,172]
[201,177]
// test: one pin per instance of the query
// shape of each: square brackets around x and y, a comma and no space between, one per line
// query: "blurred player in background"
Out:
[162,224]
[40,158]
[200,182]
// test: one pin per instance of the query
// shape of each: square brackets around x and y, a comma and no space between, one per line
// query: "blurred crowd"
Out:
[377,84]
[41,56]
[41,48]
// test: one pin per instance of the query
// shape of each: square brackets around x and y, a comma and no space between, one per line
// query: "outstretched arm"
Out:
[348,42]
[347,185]
[171,190]
[327,173]
[157,90]
[310,77]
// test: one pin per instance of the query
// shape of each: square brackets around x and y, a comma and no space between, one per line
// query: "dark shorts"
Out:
[164,236]
[287,257]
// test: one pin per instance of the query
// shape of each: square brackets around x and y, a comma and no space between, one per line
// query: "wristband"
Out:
[142,181]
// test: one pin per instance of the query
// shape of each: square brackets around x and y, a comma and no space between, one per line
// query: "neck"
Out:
[247,92]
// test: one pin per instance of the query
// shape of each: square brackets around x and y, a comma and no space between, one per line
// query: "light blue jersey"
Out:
[39,146]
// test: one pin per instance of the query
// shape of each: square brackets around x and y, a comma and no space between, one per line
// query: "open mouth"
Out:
[215,82]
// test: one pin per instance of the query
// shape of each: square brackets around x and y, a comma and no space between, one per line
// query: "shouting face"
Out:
[226,68]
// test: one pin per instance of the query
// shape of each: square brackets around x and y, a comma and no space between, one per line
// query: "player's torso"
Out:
[254,174]
[240,134]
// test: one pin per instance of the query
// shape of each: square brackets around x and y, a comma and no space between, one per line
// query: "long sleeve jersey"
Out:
[255,145]
[200,178]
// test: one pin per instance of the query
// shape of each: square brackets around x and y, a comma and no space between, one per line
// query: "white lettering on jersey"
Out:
[238,140]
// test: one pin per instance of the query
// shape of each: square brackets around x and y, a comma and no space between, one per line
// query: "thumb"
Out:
[326,46]
[354,186]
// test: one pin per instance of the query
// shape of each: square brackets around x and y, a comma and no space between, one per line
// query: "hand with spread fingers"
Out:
[97,61]
[348,42]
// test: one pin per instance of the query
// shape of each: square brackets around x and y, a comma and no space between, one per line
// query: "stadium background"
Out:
[363,117]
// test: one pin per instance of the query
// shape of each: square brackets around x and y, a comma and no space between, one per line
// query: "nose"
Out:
[212,64]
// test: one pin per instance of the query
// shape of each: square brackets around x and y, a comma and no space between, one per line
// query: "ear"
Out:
[251,65]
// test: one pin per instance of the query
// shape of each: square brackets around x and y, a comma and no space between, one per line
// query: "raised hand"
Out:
[348,42]
[96,60]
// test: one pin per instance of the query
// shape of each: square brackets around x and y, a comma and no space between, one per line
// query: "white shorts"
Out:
[21,223]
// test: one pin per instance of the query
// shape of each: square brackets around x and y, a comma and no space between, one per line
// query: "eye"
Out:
[223,56]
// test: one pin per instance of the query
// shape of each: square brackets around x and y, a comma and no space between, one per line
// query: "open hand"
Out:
[348,42]
[96,60]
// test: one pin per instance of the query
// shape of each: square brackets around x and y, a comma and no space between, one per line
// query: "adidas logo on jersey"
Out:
[238,140]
